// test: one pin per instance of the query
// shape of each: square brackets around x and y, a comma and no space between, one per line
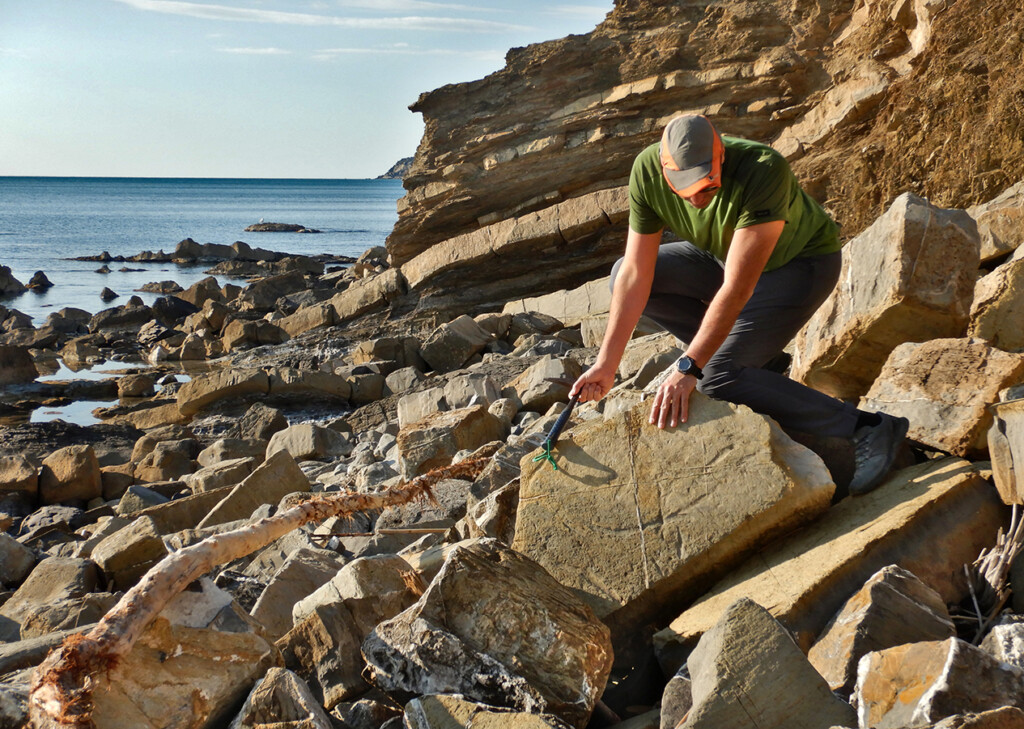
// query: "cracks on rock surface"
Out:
[632,434]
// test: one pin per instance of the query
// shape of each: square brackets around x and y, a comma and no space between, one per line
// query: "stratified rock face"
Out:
[907,278]
[749,674]
[867,100]
[944,387]
[636,516]
[497,628]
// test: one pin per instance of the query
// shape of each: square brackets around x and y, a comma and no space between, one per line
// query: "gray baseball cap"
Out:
[691,154]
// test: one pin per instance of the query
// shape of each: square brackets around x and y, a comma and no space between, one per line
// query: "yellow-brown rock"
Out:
[907,278]
[944,387]
[635,518]
[930,519]
[916,684]
[997,315]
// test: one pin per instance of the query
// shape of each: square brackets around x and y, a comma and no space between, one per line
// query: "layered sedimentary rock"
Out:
[518,198]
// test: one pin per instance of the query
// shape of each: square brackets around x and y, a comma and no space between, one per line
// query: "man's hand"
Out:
[672,403]
[594,383]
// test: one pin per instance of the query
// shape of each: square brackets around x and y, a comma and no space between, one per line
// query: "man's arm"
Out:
[749,251]
[629,297]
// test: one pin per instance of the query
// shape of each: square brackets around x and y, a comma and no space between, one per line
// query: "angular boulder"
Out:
[274,479]
[920,683]
[908,278]
[308,318]
[931,519]
[331,624]
[1001,222]
[496,628]
[70,473]
[16,560]
[368,294]
[893,608]
[16,366]
[454,712]
[281,699]
[302,573]
[998,308]
[665,509]
[450,345]
[52,580]
[747,673]
[418,405]
[928,384]
[1005,640]
[434,441]
[127,554]
[535,387]
[1006,449]
[18,474]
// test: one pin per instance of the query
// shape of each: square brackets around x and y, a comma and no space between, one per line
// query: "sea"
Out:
[45,222]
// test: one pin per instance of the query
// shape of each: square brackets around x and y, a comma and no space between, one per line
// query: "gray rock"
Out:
[16,560]
[52,580]
[16,365]
[281,698]
[450,345]
[274,479]
[676,700]
[137,498]
[259,422]
[471,389]
[310,441]
[127,554]
[402,379]
[304,571]
[748,672]
[1005,641]
[230,449]
[416,406]
[67,613]
[487,628]
[535,387]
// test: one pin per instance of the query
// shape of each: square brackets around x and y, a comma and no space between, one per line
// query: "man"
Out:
[757,257]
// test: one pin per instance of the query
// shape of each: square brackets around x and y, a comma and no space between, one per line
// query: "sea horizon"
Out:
[48,221]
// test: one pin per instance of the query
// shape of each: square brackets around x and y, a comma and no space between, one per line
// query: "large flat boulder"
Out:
[907,278]
[930,519]
[636,517]
[200,392]
[747,673]
[496,628]
[451,344]
[928,384]
[368,294]
[568,306]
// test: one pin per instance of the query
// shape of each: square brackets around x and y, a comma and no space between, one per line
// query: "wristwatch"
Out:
[687,366]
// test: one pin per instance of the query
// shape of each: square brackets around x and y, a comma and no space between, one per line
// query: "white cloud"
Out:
[329,54]
[252,15]
[591,11]
[402,6]
[256,51]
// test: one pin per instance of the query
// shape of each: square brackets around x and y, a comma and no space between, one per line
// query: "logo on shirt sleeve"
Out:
[762,213]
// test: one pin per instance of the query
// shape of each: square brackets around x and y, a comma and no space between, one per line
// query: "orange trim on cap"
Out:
[712,179]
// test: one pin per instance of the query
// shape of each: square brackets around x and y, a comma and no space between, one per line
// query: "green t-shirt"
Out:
[757,187]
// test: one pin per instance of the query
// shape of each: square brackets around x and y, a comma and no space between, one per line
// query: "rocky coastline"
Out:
[318,500]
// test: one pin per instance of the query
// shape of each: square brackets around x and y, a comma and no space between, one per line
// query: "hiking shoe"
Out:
[875,449]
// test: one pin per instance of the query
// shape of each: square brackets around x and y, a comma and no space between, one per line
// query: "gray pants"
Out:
[687,278]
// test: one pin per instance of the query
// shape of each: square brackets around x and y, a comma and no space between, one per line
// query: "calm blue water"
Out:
[45,221]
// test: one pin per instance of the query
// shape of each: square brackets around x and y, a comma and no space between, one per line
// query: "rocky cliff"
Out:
[517,185]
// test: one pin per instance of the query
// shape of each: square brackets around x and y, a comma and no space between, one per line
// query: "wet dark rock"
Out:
[279,228]
[107,295]
[113,443]
[39,281]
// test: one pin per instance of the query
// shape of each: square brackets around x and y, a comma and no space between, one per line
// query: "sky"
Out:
[244,88]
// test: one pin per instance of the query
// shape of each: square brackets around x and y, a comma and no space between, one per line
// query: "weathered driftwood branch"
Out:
[61,693]
[989,576]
